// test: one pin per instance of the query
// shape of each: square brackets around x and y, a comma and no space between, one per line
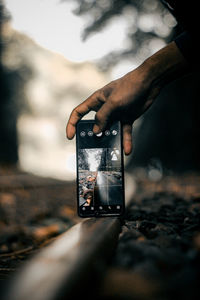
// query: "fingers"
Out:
[127,138]
[92,103]
[103,117]
[75,116]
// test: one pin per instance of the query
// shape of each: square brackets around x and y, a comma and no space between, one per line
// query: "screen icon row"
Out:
[91,133]
[101,207]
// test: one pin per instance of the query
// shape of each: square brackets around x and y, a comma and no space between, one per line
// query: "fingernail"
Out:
[69,137]
[96,128]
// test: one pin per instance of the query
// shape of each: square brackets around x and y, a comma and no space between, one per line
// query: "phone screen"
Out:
[100,176]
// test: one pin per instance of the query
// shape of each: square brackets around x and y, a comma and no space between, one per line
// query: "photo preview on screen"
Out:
[100,182]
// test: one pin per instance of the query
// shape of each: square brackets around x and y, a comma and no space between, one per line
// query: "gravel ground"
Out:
[160,239]
[159,242]
[33,211]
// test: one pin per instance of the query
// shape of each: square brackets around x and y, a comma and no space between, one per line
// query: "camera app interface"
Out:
[100,179]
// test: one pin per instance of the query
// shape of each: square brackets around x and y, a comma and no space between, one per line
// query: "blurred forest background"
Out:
[39,88]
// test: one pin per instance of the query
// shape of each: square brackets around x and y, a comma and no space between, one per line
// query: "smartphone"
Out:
[100,170]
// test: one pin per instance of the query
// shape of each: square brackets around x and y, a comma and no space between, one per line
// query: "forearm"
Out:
[165,65]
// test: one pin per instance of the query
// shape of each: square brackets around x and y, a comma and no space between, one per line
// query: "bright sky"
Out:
[53,25]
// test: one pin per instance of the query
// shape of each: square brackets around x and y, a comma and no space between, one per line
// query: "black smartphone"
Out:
[100,170]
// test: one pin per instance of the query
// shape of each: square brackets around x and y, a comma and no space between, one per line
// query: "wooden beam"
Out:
[69,266]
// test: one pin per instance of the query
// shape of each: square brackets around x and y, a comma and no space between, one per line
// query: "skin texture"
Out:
[128,97]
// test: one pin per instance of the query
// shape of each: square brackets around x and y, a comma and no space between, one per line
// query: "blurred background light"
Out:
[55,69]
[53,25]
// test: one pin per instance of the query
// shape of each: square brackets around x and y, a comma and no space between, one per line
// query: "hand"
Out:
[125,99]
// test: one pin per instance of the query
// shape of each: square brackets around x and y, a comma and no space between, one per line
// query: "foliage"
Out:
[150,25]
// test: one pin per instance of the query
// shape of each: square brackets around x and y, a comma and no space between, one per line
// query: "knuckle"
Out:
[74,111]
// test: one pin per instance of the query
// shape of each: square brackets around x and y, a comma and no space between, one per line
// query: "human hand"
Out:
[124,99]
[128,97]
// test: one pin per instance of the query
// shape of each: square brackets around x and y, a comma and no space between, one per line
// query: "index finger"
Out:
[92,103]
